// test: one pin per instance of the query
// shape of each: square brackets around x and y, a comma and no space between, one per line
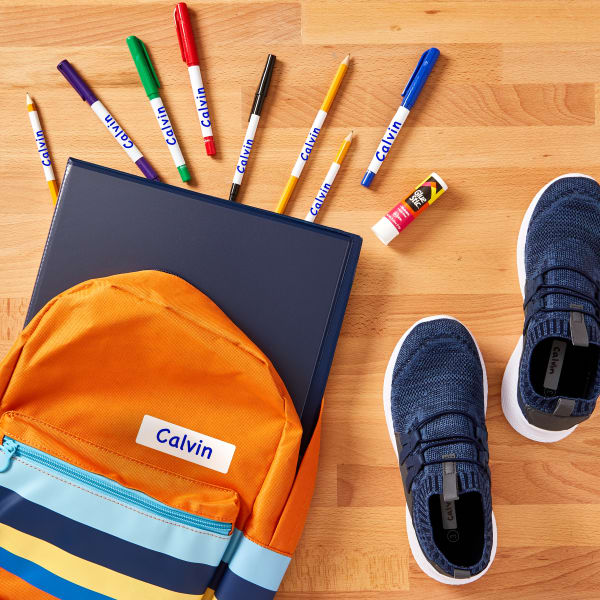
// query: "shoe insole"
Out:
[560,369]
[458,528]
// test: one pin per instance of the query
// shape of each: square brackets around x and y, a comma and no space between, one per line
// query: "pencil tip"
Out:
[28,98]
[349,136]
[346,61]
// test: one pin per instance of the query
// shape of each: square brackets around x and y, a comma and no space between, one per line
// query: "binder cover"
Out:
[283,281]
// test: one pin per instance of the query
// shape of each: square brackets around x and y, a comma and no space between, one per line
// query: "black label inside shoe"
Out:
[449,522]
[555,365]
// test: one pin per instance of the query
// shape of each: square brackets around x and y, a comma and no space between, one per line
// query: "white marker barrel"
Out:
[246,148]
[388,139]
[116,131]
[160,112]
[200,99]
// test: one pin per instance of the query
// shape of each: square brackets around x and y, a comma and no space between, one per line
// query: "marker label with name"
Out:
[388,139]
[160,112]
[242,163]
[200,98]
[186,444]
[116,131]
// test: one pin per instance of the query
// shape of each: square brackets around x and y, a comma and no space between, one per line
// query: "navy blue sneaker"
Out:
[435,398]
[552,380]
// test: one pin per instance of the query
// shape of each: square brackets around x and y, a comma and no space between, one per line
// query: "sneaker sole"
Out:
[413,542]
[510,381]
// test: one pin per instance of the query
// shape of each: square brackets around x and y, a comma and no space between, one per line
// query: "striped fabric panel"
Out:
[41,579]
[253,572]
[87,575]
[44,580]
[90,508]
[102,548]
[69,540]
[233,587]
[13,586]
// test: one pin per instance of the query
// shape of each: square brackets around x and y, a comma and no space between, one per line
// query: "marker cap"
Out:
[79,85]
[367,179]
[209,144]
[263,86]
[419,77]
[146,169]
[144,66]
[184,173]
[185,35]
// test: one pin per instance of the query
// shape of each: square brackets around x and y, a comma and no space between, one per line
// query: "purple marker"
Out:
[107,119]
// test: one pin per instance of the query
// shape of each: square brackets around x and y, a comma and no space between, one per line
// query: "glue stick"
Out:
[406,211]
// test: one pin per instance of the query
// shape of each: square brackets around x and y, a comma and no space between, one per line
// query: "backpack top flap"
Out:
[142,379]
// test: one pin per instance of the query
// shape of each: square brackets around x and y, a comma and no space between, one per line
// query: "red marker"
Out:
[185,35]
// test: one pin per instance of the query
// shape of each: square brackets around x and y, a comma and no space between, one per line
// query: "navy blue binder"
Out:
[282,281]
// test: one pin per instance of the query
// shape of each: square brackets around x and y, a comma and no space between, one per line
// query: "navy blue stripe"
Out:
[217,575]
[103,548]
[233,587]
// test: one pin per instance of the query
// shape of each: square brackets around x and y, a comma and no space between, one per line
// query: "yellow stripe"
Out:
[53,190]
[334,87]
[286,194]
[82,572]
[31,107]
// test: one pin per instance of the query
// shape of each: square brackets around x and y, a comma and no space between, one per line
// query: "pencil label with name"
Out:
[200,99]
[44,155]
[116,131]
[160,112]
[309,143]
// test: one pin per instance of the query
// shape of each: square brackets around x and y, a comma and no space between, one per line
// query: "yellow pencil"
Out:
[312,135]
[42,148]
[319,200]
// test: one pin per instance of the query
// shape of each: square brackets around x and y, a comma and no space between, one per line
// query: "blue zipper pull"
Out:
[7,451]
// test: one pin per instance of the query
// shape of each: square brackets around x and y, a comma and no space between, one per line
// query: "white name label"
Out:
[555,364]
[184,443]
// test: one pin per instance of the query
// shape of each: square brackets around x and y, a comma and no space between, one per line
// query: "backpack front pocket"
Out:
[78,535]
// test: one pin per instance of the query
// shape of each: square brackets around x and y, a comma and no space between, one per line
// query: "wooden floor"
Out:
[512,103]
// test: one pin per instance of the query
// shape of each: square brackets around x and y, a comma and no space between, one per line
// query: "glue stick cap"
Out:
[384,230]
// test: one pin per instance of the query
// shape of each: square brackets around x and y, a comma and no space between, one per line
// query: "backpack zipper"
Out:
[11,448]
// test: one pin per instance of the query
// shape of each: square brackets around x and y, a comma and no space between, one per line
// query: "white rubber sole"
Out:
[510,380]
[413,542]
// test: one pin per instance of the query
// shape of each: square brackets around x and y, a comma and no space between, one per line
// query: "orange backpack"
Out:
[149,450]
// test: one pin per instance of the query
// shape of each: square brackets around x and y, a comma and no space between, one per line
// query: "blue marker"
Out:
[409,96]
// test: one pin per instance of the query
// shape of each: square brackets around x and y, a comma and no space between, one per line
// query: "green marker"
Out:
[151,84]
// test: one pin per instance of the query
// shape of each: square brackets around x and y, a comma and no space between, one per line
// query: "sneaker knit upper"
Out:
[438,369]
[564,230]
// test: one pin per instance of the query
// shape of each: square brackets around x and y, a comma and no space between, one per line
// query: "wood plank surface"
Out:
[512,103]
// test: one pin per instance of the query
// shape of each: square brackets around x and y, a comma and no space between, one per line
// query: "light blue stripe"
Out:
[233,544]
[87,506]
[259,565]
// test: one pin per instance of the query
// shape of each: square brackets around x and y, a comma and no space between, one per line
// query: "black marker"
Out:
[259,98]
